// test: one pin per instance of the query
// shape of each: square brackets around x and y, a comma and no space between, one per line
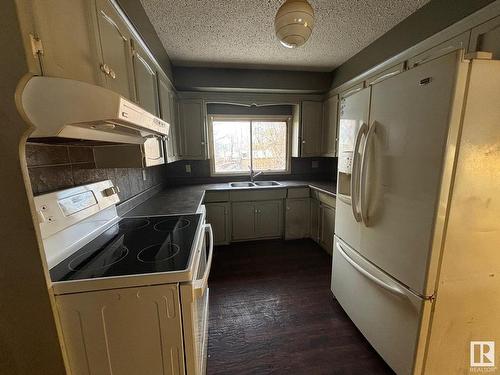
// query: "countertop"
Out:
[185,199]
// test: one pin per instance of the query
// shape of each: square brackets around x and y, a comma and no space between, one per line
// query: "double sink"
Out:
[249,184]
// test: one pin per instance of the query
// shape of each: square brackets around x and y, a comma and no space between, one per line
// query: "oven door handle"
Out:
[200,285]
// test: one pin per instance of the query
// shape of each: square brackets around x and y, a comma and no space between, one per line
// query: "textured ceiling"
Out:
[240,33]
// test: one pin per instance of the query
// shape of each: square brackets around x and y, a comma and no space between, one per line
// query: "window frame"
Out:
[285,118]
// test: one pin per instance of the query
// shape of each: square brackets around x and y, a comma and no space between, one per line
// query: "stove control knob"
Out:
[110,191]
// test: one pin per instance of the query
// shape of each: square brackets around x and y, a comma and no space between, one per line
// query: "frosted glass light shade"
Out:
[294,23]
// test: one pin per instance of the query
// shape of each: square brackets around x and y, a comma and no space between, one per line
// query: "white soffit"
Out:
[240,33]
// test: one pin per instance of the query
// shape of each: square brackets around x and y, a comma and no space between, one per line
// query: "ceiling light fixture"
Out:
[294,23]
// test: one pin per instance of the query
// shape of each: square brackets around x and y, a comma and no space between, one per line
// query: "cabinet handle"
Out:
[303,141]
[105,68]
[203,143]
[113,23]
[112,74]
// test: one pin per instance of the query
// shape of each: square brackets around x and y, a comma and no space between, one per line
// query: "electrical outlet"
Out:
[188,168]
[315,164]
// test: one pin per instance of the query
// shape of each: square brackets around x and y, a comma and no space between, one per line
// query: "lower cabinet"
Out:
[218,215]
[297,223]
[262,219]
[315,219]
[327,227]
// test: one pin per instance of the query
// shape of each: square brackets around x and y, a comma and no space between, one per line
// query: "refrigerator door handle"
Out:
[362,179]
[390,288]
[355,173]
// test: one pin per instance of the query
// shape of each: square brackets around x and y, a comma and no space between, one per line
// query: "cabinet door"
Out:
[192,129]
[243,220]
[312,115]
[269,218]
[115,46]
[486,38]
[330,111]
[174,117]
[69,36]
[145,80]
[314,234]
[123,331]
[297,218]
[165,105]
[218,217]
[327,227]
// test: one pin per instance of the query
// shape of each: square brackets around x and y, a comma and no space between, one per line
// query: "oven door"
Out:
[194,301]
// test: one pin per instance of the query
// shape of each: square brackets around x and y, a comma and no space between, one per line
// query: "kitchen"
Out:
[210,187]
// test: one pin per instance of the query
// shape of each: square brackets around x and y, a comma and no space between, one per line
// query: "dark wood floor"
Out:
[272,312]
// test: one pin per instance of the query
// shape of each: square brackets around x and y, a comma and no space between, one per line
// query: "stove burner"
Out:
[158,252]
[98,262]
[166,225]
[133,224]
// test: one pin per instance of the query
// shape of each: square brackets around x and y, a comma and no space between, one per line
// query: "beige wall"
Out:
[28,336]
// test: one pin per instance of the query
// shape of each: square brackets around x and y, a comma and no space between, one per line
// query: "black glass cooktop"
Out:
[133,246]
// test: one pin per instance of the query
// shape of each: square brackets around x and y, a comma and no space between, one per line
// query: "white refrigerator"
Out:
[401,160]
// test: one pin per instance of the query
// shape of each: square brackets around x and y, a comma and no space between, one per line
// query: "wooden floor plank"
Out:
[272,312]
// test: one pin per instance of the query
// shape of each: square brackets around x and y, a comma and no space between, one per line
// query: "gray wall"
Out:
[425,22]
[250,80]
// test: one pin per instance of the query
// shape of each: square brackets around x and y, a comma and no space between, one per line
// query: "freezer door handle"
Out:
[199,286]
[362,179]
[390,288]
[355,173]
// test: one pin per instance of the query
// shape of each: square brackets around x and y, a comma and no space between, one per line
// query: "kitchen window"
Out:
[241,144]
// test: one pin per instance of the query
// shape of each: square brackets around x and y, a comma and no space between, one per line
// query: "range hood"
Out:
[65,108]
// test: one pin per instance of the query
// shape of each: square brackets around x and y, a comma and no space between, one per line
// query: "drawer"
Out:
[257,195]
[326,199]
[216,196]
[300,192]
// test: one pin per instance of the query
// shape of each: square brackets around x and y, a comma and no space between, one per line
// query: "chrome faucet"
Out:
[253,174]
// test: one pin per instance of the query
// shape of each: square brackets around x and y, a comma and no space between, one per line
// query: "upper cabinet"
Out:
[192,129]
[330,120]
[167,113]
[146,89]
[115,42]
[61,39]
[486,37]
[307,129]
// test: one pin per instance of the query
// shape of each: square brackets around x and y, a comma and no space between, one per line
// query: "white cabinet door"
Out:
[330,120]
[327,227]
[269,218]
[409,123]
[69,33]
[297,218]
[145,80]
[116,49]
[311,125]
[167,109]
[315,220]
[218,216]
[123,331]
[192,129]
[243,220]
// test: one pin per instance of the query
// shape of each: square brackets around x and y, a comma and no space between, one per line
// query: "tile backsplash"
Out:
[320,168]
[56,167]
